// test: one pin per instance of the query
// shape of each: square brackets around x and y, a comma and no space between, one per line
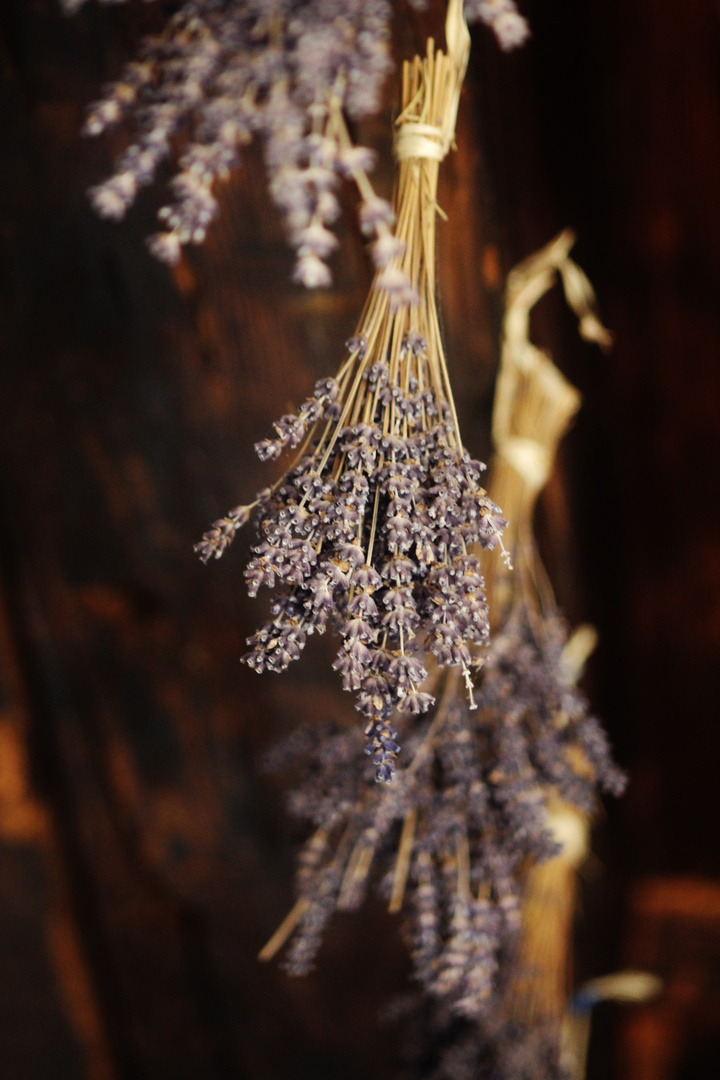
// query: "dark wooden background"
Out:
[144,857]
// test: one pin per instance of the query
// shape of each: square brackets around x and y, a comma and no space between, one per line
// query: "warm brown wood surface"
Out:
[144,858]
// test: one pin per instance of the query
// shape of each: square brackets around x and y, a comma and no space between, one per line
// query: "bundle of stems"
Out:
[402,298]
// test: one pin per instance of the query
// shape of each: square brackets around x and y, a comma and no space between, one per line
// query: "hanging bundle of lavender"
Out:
[375,526]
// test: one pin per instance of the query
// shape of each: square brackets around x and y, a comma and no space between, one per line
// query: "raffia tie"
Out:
[530,459]
[416,140]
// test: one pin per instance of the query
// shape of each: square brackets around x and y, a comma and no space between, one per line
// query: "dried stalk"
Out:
[425,131]
[284,930]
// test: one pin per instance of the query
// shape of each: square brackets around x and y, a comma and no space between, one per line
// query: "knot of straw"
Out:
[416,140]
[530,459]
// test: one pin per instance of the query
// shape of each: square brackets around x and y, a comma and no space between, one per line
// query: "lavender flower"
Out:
[240,69]
[222,533]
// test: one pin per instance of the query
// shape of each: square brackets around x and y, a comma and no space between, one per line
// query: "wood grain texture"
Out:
[144,858]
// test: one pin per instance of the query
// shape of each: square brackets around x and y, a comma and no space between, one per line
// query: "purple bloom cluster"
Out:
[474,793]
[282,71]
[372,531]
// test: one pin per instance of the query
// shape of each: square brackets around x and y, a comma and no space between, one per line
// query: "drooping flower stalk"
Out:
[375,527]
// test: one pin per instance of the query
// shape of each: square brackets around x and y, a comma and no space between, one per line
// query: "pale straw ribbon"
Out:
[524,366]
[529,458]
[416,139]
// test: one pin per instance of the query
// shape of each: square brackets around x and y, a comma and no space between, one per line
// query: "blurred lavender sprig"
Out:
[229,70]
[503,17]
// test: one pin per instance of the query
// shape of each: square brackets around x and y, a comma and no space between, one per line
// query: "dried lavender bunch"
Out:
[465,817]
[375,527]
[229,70]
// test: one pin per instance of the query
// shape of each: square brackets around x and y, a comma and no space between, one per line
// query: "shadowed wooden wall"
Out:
[144,857]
